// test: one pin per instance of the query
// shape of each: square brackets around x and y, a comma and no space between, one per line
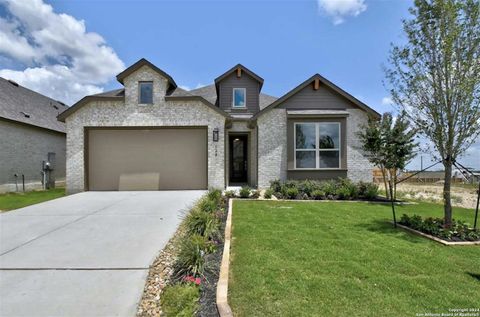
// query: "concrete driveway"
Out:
[85,254]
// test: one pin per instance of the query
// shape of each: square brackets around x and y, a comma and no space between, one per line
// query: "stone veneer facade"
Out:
[131,114]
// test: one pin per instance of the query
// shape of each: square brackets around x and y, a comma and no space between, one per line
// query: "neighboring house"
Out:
[29,131]
[151,134]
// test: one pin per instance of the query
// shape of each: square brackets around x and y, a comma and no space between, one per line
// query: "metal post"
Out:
[23,182]
[476,209]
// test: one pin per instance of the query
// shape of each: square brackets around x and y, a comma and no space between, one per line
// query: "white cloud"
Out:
[60,58]
[340,9]
[387,101]
[185,87]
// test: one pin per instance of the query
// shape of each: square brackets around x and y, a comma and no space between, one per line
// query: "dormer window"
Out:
[145,95]
[239,98]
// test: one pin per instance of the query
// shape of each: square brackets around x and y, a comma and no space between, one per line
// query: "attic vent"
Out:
[54,105]
[27,115]
[13,82]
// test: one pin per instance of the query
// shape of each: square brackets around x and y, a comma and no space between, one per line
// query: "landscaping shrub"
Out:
[329,188]
[208,205]
[191,256]
[318,194]
[202,223]
[291,192]
[307,187]
[371,191]
[255,194]
[459,231]
[180,300]
[268,193]
[276,186]
[245,192]
[230,194]
[215,195]
[346,189]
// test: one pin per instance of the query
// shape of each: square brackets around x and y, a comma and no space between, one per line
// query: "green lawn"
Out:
[11,201]
[344,259]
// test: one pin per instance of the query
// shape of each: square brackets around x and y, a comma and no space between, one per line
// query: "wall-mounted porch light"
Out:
[215,135]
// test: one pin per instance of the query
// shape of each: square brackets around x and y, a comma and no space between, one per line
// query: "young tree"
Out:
[435,76]
[390,145]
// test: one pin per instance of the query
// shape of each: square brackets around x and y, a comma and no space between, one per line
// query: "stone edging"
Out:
[419,233]
[224,309]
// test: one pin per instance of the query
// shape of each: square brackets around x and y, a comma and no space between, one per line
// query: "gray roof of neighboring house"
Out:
[210,93]
[23,105]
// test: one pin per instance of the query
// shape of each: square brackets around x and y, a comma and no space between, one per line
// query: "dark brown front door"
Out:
[238,158]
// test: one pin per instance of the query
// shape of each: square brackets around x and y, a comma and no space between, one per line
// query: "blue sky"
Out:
[284,42]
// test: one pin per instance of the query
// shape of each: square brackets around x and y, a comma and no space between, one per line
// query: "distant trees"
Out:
[390,145]
[435,77]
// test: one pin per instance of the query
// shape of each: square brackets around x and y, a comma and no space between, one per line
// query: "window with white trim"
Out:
[317,145]
[239,96]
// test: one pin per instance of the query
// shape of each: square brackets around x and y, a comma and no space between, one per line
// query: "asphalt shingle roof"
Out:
[23,105]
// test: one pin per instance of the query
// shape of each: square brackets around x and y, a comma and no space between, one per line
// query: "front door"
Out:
[238,158]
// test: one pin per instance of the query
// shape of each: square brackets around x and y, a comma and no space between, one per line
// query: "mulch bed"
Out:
[208,290]
[161,272]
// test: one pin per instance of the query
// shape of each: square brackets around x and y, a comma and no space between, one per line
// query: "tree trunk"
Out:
[395,184]
[387,194]
[447,206]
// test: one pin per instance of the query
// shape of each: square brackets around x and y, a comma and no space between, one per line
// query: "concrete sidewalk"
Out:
[86,254]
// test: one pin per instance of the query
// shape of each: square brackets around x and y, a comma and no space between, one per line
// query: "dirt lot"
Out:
[462,195]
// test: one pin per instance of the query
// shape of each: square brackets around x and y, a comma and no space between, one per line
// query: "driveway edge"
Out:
[224,309]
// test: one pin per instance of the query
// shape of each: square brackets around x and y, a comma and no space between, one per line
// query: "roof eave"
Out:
[144,62]
[201,99]
[82,102]
[325,81]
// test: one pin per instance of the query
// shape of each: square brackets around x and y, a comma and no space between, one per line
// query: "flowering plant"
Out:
[192,279]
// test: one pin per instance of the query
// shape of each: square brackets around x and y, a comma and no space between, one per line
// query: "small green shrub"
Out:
[346,189]
[230,194]
[191,256]
[180,300]
[371,191]
[318,194]
[215,195]
[276,186]
[268,193]
[202,223]
[291,193]
[307,187]
[435,227]
[245,192]
[208,205]
[329,188]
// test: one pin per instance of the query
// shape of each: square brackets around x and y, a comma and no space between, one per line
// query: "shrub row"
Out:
[244,192]
[342,189]
[459,231]
[201,237]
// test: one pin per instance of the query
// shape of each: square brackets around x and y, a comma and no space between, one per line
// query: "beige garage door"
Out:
[147,159]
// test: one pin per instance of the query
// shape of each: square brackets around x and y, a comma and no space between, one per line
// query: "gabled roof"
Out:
[26,106]
[119,94]
[144,62]
[243,68]
[327,83]
[112,95]
[210,93]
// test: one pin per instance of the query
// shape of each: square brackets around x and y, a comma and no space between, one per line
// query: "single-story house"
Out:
[29,135]
[153,135]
